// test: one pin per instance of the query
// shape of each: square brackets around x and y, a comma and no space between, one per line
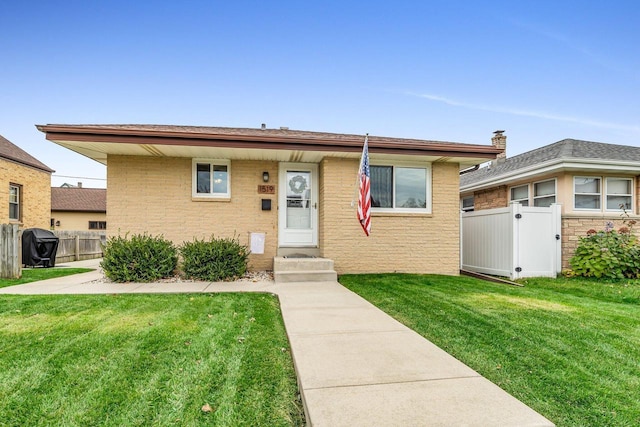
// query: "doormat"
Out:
[299,256]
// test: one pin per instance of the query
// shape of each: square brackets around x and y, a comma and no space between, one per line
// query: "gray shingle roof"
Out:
[10,151]
[567,149]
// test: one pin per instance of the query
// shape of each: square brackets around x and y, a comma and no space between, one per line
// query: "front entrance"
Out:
[298,205]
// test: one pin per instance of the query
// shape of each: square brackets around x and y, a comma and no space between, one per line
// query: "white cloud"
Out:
[526,113]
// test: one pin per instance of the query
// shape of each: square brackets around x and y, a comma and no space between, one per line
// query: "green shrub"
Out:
[608,254]
[141,258]
[214,260]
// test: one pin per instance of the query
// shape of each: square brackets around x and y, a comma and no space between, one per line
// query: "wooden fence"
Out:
[79,245]
[72,246]
[10,263]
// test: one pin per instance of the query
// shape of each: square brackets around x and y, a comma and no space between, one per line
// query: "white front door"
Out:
[298,205]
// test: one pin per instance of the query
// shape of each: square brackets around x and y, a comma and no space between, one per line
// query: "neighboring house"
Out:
[25,188]
[590,180]
[294,188]
[77,208]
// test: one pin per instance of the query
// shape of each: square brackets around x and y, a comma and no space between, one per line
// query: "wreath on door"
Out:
[298,184]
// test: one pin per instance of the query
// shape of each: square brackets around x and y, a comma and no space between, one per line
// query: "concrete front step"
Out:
[310,252]
[305,276]
[303,270]
[297,264]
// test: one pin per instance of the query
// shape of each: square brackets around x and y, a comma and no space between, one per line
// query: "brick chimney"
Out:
[499,140]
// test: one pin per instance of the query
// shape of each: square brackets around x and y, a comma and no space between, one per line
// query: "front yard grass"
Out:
[35,274]
[568,348]
[115,360]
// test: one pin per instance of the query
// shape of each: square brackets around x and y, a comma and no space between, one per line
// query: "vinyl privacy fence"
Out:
[514,242]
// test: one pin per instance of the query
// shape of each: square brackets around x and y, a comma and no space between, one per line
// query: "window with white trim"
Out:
[587,192]
[14,202]
[619,193]
[544,193]
[520,194]
[400,188]
[211,178]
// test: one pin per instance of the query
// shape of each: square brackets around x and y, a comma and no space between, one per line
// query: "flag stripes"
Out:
[364,189]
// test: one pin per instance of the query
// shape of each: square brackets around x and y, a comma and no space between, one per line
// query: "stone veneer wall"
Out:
[496,197]
[574,227]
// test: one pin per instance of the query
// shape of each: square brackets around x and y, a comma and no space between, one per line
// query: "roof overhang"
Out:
[71,210]
[100,141]
[556,166]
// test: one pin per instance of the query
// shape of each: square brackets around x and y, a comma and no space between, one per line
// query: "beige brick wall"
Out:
[414,243]
[153,195]
[77,220]
[35,198]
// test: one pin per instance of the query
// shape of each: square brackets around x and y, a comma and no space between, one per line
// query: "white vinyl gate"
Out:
[514,242]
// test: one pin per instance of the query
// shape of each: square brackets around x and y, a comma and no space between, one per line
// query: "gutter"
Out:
[256,139]
[471,169]
[554,166]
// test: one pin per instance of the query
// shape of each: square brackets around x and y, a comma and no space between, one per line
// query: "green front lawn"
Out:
[116,360]
[568,348]
[35,274]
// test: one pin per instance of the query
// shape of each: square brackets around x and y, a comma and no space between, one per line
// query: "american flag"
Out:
[364,193]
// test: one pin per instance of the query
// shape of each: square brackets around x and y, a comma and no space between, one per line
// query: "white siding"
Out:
[513,242]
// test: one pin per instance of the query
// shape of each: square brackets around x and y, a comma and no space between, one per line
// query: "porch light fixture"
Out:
[265,176]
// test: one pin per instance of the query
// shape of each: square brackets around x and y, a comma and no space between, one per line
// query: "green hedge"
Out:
[214,260]
[141,258]
[608,254]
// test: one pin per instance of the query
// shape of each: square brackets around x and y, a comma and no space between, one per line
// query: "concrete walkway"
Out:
[356,365]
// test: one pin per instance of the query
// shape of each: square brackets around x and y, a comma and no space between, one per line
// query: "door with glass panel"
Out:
[298,205]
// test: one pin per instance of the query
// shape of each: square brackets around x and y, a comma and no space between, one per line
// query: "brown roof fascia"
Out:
[342,143]
[79,210]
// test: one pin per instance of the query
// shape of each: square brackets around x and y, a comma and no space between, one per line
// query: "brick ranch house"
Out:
[25,188]
[78,208]
[296,187]
[590,180]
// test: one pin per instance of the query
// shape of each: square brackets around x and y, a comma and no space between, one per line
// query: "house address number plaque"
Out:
[266,189]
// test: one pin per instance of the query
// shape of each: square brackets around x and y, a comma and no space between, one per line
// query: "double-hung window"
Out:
[618,192]
[587,192]
[400,188]
[211,178]
[544,193]
[520,194]
[14,202]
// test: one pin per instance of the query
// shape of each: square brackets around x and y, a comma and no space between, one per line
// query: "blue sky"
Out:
[440,70]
